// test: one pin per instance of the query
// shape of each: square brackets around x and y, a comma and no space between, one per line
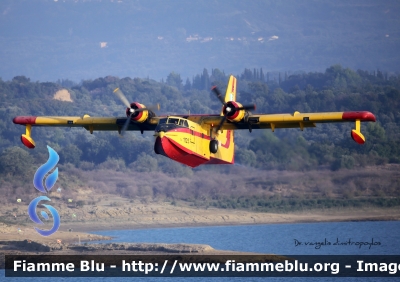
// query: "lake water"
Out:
[278,238]
[332,238]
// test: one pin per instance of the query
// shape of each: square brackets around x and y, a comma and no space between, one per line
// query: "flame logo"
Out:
[49,183]
[32,214]
[44,169]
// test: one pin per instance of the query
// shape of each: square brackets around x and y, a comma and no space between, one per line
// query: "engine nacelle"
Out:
[137,116]
[233,111]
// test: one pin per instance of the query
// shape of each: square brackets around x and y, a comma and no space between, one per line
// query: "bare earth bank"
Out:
[158,215]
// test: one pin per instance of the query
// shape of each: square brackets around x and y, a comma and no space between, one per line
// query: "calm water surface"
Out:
[278,238]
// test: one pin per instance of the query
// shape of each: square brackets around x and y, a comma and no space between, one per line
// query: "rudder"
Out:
[230,94]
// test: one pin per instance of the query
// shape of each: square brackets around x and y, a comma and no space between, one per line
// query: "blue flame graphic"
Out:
[44,169]
[51,179]
[32,214]
[45,215]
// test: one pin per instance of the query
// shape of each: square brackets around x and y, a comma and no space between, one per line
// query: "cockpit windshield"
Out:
[162,120]
[173,121]
[176,121]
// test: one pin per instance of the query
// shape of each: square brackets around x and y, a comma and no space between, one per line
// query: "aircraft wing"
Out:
[90,123]
[296,120]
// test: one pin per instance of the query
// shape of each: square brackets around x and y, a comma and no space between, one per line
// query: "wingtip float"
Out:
[26,138]
[358,117]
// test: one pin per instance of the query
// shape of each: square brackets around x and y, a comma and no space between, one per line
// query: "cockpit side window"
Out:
[183,123]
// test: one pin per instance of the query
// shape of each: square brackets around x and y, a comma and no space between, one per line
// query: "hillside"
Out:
[283,171]
[50,40]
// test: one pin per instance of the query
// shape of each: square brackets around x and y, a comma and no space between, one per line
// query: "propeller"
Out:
[125,101]
[122,97]
[219,94]
[228,109]
[126,124]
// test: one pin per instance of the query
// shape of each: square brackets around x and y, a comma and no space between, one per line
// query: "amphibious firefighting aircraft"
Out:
[195,139]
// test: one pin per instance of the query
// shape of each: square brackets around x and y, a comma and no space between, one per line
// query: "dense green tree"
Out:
[15,161]
[205,80]
[245,157]
[145,163]
[175,80]
[188,85]
[70,154]
[218,76]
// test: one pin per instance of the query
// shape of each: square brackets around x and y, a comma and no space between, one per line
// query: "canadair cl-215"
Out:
[195,139]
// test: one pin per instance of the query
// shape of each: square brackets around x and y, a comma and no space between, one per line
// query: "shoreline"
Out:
[80,228]
[183,217]
[236,218]
[74,242]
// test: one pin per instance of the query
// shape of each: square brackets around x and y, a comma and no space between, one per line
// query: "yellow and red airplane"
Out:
[196,139]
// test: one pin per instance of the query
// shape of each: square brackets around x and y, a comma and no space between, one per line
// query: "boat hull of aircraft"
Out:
[173,150]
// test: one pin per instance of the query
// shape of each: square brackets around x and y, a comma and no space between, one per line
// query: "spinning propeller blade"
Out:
[122,97]
[228,109]
[247,107]
[218,94]
[150,108]
[126,124]
[220,124]
[125,101]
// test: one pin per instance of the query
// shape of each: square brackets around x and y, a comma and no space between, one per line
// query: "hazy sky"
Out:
[47,40]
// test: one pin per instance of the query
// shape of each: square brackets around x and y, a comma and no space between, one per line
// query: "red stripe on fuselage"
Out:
[228,140]
[177,152]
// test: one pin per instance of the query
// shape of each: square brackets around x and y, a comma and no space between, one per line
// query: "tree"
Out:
[197,82]
[247,75]
[188,85]
[15,161]
[246,157]
[217,75]
[21,79]
[71,154]
[145,163]
[205,80]
[262,77]
[174,79]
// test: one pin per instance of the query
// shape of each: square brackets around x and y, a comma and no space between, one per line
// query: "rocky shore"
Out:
[27,247]
[21,238]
